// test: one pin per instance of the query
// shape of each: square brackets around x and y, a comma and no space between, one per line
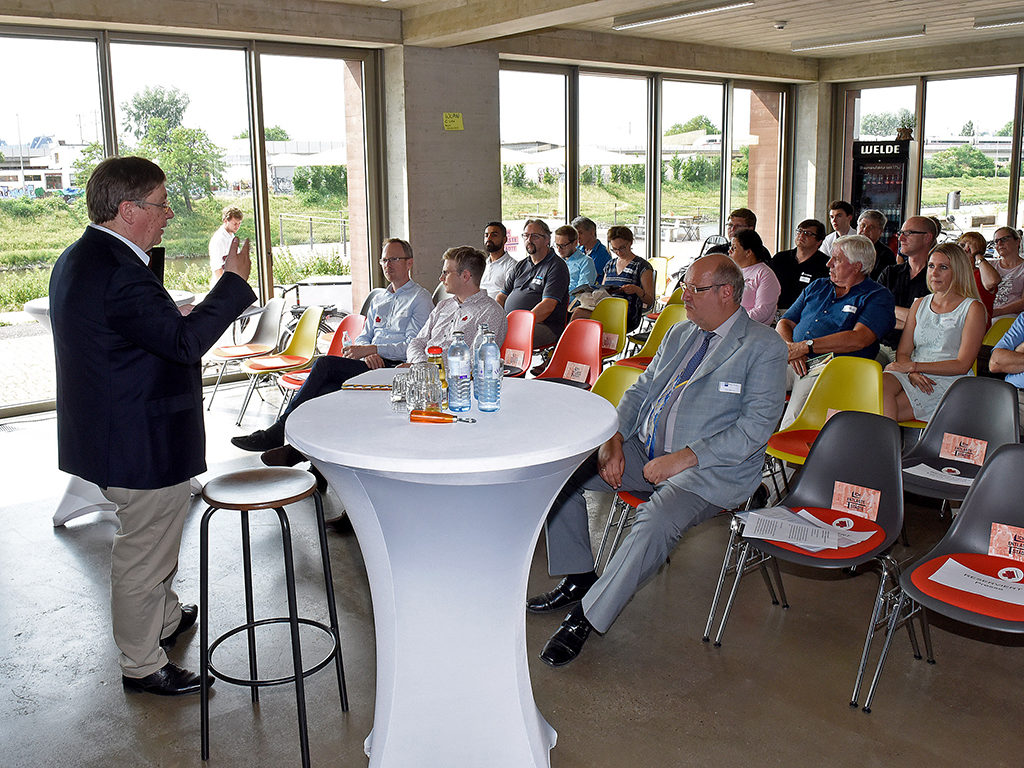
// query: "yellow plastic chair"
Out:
[997,331]
[614,381]
[845,384]
[611,313]
[298,354]
[671,315]
[660,264]
[640,337]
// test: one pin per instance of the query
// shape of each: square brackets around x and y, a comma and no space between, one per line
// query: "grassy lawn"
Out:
[34,232]
[974,190]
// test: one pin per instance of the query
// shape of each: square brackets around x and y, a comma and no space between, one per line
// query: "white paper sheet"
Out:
[930,473]
[956,575]
[780,524]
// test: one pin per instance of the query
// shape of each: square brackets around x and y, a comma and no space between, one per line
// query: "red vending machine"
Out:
[880,176]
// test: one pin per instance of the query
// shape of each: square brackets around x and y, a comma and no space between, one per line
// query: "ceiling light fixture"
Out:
[867,37]
[674,13]
[992,22]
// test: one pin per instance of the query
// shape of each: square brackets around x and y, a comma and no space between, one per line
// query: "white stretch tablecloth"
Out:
[447,517]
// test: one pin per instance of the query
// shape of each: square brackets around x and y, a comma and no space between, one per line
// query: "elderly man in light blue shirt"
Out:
[581,267]
[393,320]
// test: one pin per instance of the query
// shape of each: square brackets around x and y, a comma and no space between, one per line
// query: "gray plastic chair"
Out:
[862,449]
[974,407]
[994,497]
[262,342]
[365,309]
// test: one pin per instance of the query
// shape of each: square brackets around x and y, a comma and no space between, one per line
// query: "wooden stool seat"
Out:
[263,488]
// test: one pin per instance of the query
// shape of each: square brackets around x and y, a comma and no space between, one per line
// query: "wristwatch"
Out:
[810,346]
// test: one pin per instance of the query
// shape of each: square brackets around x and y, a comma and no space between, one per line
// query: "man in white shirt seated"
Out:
[499,261]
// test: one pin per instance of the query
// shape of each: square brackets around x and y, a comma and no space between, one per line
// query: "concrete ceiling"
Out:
[459,22]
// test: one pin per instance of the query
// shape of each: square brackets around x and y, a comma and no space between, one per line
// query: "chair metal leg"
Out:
[876,614]
[893,621]
[223,367]
[245,403]
[250,616]
[616,513]
[733,533]
[286,396]
[778,580]
[625,521]
[763,568]
[741,562]
[332,609]
[293,623]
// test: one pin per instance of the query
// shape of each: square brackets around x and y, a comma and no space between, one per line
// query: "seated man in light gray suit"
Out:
[692,435]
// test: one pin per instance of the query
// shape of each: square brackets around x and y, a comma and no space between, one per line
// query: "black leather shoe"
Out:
[189,614]
[566,644]
[169,680]
[569,590]
[285,456]
[261,439]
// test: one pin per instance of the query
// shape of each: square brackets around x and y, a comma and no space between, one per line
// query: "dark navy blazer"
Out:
[129,388]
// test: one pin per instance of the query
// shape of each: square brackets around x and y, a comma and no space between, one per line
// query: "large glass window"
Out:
[50,129]
[691,168]
[533,142]
[614,126]
[968,133]
[755,157]
[186,109]
[308,104]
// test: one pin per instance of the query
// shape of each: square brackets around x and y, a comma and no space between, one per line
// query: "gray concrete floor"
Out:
[648,693]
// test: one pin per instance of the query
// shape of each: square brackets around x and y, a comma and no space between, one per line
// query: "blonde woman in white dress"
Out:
[941,339]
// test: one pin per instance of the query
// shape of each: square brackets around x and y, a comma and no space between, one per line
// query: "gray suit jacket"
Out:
[726,413]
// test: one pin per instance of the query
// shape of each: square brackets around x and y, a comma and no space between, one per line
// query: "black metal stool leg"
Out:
[250,614]
[293,622]
[332,609]
[204,633]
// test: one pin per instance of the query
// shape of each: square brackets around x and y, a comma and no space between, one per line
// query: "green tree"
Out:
[189,158]
[963,160]
[697,123]
[82,167]
[741,164]
[677,166]
[273,133]
[1006,130]
[886,123]
[968,129]
[158,102]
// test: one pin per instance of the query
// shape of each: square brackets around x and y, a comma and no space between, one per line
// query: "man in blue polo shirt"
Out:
[539,284]
[845,314]
[1008,358]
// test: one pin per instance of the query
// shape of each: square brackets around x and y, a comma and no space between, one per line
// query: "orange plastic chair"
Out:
[517,349]
[263,340]
[577,356]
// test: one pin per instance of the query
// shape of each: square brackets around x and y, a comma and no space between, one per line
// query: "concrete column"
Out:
[355,150]
[443,185]
[763,168]
[811,136]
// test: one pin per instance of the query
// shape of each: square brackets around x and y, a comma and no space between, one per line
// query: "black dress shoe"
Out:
[569,590]
[566,644]
[285,456]
[189,614]
[261,439]
[169,680]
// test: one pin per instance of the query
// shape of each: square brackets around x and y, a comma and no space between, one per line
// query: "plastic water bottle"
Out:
[478,341]
[346,340]
[457,363]
[487,375]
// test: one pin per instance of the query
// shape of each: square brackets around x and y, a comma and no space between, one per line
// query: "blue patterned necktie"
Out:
[655,442]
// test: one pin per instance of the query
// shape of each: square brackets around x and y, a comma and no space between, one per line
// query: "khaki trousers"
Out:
[143,562]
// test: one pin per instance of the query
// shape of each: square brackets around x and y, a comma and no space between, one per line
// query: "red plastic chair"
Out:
[518,342]
[352,324]
[577,356]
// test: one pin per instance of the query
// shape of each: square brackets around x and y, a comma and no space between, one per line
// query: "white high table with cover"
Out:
[447,517]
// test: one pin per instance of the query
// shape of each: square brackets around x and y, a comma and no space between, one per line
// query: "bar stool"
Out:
[265,488]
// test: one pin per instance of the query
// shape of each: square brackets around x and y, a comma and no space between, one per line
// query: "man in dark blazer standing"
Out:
[129,401]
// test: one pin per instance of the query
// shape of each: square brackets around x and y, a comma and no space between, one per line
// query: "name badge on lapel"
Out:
[850,308]
[732,387]
[804,278]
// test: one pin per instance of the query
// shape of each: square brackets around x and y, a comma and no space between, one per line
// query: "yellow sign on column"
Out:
[452,121]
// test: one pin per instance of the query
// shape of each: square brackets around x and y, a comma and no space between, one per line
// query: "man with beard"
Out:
[499,261]
[539,284]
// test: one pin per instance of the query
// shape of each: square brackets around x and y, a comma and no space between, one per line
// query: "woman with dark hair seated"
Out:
[626,275]
[761,287]
[940,341]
